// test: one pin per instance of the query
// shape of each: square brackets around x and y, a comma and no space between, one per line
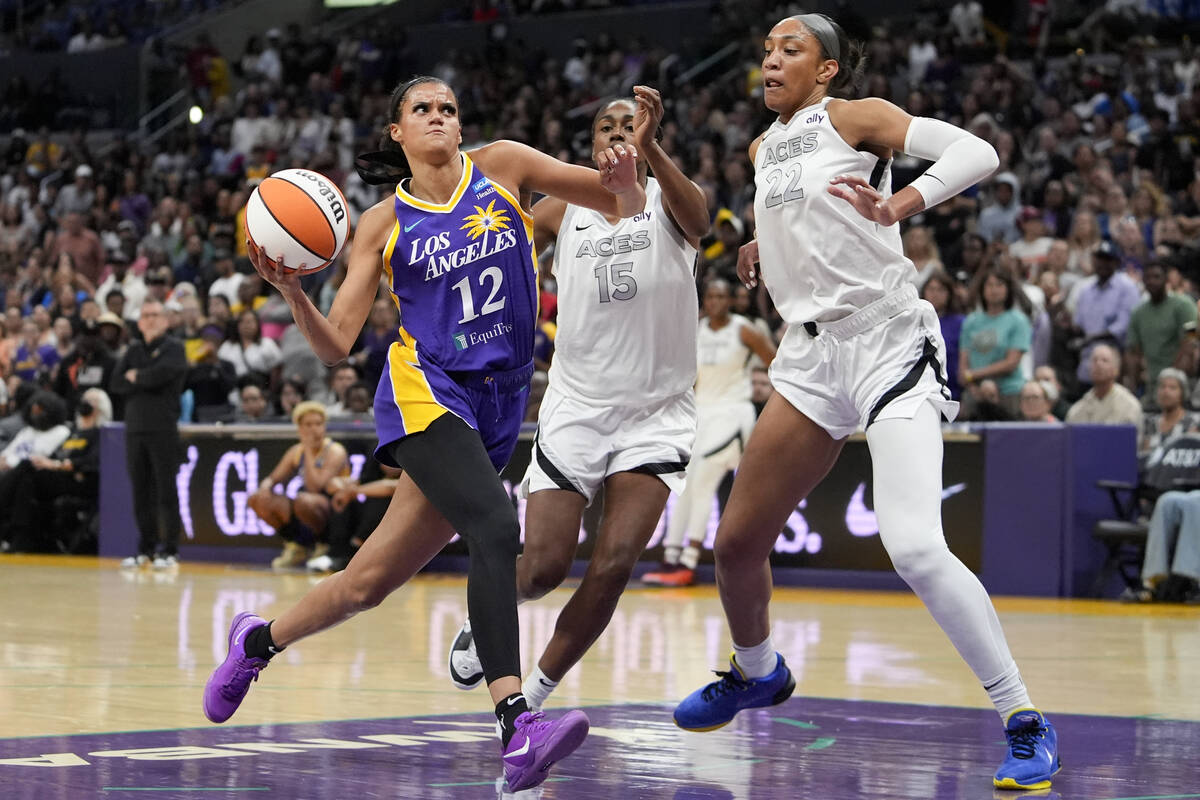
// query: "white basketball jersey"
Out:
[722,371]
[820,259]
[626,306]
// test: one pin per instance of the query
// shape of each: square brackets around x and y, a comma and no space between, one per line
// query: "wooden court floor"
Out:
[96,660]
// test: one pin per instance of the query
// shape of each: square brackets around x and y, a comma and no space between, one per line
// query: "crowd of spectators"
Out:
[1070,277]
[96,25]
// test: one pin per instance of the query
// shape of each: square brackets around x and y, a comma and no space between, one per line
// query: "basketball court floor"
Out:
[101,674]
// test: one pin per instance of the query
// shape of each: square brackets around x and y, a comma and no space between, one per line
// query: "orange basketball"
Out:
[299,217]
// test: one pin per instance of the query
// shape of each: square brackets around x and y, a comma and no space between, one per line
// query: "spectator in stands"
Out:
[220,312]
[1037,398]
[77,197]
[1085,238]
[1033,247]
[114,304]
[111,329]
[998,220]
[42,482]
[211,378]
[151,376]
[357,405]
[44,416]
[301,522]
[1171,419]
[1172,551]
[249,350]
[227,279]
[291,394]
[159,281]
[341,378]
[922,250]
[719,258]
[1156,329]
[33,360]
[249,294]
[1107,402]
[83,244]
[88,365]
[993,339]
[252,401]
[1104,307]
[939,292]
[1048,377]
[987,405]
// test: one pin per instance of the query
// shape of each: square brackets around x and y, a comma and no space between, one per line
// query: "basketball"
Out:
[300,215]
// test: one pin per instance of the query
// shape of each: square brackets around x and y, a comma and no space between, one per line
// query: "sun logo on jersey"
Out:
[487,219]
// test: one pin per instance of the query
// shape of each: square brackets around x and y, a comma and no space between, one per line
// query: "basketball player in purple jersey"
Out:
[455,243]
[619,411]
[861,352]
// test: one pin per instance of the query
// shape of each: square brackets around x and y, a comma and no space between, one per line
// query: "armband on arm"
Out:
[961,159]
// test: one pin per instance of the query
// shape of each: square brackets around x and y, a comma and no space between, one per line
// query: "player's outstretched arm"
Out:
[612,190]
[961,159]
[332,338]
[684,200]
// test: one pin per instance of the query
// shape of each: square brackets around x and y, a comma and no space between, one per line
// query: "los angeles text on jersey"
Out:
[440,261]
[796,146]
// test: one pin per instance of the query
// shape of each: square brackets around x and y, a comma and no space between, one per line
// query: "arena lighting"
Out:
[195,115]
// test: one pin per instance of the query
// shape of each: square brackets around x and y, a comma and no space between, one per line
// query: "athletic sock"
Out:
[507,711]
[671,554]
[259,643]
[758,661]
[1008,692]
[690,557]
[537,689]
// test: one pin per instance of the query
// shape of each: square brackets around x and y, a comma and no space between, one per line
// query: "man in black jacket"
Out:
[151,375]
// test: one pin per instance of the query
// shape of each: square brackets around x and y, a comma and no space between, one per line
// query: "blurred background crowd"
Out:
[1067,284]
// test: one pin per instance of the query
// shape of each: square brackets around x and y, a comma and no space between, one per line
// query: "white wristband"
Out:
[961,159]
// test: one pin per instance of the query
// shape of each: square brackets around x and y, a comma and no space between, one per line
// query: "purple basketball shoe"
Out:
[228,684]
[538,744]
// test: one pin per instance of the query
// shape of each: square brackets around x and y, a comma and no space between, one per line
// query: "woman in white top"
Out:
[250,352]
[861,351]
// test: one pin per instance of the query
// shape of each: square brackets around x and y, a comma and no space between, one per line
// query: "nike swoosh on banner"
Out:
[408,228]
[861,521]
[524,749]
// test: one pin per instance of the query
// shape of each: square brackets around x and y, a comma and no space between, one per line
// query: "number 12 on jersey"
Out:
[494,276]
[615,281]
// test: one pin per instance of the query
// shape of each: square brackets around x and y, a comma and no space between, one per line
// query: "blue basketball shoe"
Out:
[1032,752]
[716,704]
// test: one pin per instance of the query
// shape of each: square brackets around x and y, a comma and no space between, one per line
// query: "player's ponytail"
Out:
[388,164]
[835,45]
[848,83]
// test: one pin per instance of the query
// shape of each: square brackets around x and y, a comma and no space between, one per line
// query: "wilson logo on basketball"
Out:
[329,192]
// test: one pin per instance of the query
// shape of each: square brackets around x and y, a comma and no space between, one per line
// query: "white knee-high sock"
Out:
[906,457]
